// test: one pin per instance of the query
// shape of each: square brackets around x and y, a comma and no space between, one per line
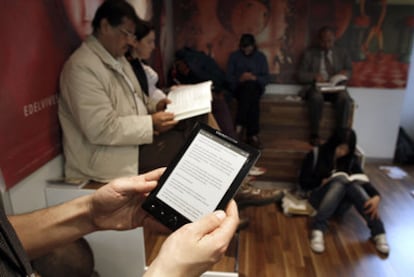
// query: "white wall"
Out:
[376,120]
[29,194]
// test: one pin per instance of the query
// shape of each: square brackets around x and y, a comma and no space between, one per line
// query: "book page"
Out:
[190,100]
[353,177]
[336,79]
[333,84]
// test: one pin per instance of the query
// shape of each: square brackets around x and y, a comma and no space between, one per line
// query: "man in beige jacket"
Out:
[104,115]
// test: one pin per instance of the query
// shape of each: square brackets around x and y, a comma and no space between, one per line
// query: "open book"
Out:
[353,177]
[336,83]
[293,205]
[190,100]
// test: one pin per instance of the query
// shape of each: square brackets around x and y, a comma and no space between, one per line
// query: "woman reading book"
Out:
[166,144]
[331,193]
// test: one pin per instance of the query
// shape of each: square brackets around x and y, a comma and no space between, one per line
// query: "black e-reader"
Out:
[203,177]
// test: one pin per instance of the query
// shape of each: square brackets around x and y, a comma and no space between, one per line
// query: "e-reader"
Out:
[203,177]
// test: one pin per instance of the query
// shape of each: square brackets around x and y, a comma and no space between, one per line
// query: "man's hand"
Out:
[162,104]
[247,76]
[117,205]
[371,206]
[195,247]
[163,121]
[319,78]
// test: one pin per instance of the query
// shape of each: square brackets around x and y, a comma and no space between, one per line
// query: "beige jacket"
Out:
[103,118]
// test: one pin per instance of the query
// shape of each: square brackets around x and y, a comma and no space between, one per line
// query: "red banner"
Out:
[36,40]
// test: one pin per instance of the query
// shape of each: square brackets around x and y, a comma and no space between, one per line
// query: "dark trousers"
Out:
[221,112]
[341,100]
[165,146]
[248,96]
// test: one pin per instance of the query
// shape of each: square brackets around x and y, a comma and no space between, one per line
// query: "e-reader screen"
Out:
[203,177]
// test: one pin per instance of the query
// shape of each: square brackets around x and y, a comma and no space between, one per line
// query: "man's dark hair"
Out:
[247,40]
[326,28]
[114,11]
[143,28]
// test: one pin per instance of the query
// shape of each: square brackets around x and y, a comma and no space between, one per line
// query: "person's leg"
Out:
[253,117]
[223,116]
[314,101]
[242,94]
[343,106]
[329,197]
[357,194]
[326,200]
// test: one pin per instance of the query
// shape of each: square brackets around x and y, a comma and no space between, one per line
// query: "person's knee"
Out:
[344,98]
[338,185]
[315,99]
[73,259]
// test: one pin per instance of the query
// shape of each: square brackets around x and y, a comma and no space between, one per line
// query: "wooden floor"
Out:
[277,245]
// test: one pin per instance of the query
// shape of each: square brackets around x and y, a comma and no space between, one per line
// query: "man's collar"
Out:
[96,46]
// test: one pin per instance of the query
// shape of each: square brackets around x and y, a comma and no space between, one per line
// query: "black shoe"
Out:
[255,142]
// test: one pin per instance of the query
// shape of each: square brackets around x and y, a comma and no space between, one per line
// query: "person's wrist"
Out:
[86,210]
[158,268]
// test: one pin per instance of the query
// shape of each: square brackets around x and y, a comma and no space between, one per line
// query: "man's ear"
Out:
[104,26]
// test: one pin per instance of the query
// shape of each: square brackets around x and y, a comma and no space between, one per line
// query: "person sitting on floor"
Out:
[332,195]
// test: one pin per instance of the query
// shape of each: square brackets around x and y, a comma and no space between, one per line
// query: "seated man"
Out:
[319,64]
[104,115]
[248,74]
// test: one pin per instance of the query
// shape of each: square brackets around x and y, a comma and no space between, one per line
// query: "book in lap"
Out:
[190,100]
[353,177]
[336,83]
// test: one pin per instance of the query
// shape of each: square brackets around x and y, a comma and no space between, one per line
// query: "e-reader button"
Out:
[173,220]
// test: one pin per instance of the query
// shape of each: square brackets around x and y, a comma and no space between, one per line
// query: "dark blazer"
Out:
[311,62]
[13,258]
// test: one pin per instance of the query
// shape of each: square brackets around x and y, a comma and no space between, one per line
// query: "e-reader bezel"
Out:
[171,217]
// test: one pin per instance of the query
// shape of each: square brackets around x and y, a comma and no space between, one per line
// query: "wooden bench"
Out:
[285,135]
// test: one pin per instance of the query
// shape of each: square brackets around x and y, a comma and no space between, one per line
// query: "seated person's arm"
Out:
[262,75]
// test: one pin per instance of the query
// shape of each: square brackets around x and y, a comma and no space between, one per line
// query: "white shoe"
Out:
[381,244]
[317,242]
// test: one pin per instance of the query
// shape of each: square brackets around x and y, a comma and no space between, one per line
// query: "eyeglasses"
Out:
[127,33]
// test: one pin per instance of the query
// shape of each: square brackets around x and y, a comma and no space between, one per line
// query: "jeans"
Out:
[326,200]
[335,198]
[357,195]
